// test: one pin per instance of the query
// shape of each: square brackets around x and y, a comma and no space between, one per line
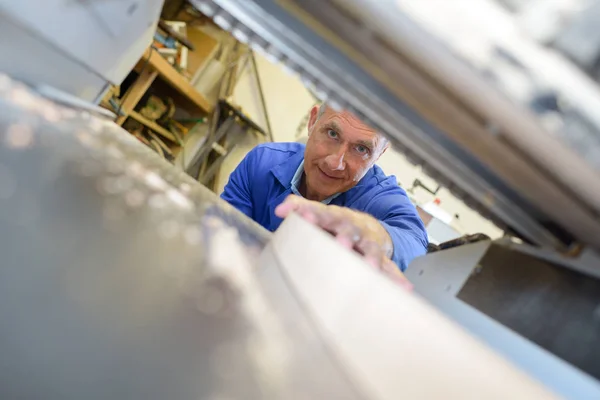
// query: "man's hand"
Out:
[352,229]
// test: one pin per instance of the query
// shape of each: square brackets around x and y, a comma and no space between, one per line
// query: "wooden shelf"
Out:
[173,78]
[151,66]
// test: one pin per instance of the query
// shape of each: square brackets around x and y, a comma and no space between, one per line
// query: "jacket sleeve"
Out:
[399,217]
[238,191]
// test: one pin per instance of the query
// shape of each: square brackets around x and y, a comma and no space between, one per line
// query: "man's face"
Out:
[339,152]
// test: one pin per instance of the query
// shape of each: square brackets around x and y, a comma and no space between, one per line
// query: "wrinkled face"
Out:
[339,152]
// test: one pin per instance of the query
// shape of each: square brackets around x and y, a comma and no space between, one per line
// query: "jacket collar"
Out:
[285,171]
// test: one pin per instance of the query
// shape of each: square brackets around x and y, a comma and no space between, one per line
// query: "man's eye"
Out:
[362,149]
[332,134]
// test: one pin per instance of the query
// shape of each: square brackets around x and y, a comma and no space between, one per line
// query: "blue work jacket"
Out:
[264,179]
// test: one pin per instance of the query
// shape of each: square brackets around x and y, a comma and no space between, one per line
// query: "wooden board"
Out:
[153,126]
[392,343]
[135,92]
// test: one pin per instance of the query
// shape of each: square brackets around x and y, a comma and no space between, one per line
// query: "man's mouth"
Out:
[327,175]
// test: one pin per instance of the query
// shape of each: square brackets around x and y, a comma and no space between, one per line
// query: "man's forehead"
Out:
[345,120]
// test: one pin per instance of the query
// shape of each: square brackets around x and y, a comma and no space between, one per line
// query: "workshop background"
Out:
[202,100]
[234,98]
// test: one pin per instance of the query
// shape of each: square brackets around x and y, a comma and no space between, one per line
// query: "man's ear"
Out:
[312,118]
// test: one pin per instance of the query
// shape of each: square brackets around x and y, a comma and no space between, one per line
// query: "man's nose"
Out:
[335,161]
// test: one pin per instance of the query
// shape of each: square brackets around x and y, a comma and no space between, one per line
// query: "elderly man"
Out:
[334,183]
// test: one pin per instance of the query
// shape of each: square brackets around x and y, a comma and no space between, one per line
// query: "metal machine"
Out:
[119,272]
[124,278]
[76,47]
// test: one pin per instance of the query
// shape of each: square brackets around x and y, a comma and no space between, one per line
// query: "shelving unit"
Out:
[151,66]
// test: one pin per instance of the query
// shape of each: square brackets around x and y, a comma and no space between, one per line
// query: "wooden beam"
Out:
[153,125]
[174,78]
[135,92]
